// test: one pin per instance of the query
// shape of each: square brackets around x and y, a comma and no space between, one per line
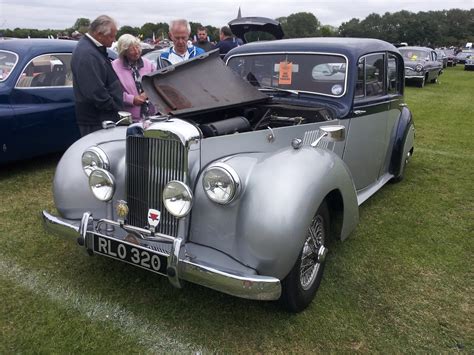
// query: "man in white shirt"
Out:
[180,51]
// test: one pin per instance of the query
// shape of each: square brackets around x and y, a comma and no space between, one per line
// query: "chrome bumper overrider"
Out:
[178,268]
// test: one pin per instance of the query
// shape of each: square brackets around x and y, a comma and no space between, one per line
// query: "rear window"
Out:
[8,61]
[311,73]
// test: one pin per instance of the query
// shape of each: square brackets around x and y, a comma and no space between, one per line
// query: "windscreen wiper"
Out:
[272,88]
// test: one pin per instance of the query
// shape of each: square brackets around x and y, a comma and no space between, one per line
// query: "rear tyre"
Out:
[300,285]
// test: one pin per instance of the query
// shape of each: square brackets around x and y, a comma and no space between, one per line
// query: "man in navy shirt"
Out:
[227,41]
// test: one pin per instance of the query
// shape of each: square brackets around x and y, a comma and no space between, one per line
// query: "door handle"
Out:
[359,112]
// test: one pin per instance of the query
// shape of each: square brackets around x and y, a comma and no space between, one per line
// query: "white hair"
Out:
[125,42]
[178,23]
[102,24]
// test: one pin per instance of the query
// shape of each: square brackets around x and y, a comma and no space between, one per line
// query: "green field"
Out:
[403,281]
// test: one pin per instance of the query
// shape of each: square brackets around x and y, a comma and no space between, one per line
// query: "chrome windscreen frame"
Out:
[301,53]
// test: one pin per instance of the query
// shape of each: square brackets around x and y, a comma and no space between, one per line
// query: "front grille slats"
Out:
[151,164]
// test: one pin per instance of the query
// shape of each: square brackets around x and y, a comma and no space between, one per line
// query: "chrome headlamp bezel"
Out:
[419,67]
[102,184]
[173,191]
[227,176]
[93,158]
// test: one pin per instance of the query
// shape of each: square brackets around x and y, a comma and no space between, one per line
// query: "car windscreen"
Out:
[414,54]
[321,74]
[8,61]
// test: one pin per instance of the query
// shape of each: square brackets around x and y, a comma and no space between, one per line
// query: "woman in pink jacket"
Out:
[130,68]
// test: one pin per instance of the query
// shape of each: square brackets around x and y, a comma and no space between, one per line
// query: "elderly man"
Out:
[97,89]
[180,51]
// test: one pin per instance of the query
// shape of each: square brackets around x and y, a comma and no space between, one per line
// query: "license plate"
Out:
[130,253]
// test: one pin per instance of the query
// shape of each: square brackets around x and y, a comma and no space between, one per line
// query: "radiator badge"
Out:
[153,217]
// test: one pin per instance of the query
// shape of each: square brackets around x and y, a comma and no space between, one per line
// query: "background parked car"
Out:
[441,57]
[153,55]
[421,65]
[462,56]
[452,60]
[469,64]
[37,102]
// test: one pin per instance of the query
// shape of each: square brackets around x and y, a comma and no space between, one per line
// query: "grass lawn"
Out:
[403,281]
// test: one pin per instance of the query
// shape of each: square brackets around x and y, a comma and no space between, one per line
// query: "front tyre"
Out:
[300,285]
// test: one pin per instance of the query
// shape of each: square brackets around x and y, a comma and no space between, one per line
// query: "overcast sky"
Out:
[60,14]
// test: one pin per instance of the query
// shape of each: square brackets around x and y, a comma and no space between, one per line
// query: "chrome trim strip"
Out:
[173,263]
[254,287]
[175,129]
[60,226]
[318,53]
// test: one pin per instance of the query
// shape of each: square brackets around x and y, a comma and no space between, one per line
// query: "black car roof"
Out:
[353,48]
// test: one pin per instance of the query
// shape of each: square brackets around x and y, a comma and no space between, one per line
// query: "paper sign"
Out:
[284,77]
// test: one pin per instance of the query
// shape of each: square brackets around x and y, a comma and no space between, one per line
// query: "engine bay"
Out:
[257,117]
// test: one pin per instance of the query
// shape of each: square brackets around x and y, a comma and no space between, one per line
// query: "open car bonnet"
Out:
[241,26]
[203,83]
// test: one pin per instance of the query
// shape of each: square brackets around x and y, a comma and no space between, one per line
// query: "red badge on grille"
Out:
[153,217]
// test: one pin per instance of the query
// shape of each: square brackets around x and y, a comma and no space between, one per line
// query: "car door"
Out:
[435,65]
[8,72]
[43,105]
[370,128]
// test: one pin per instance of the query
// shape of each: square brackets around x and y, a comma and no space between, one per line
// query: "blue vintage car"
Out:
[36,98]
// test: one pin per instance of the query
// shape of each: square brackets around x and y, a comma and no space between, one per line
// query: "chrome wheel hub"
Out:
[313,254]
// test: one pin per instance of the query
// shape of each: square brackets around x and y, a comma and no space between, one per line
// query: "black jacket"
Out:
[97,89]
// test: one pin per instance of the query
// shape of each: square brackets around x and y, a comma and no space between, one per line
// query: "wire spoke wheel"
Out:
[309,266]
[300,285]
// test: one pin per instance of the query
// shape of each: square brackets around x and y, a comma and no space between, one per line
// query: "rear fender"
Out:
[265,227]
[404,141]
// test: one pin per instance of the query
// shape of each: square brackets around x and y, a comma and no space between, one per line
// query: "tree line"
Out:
[433,28]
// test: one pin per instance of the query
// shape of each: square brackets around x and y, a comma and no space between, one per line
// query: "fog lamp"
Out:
[102,184]
[177,198]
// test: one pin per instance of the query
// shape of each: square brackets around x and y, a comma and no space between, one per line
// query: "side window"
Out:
[374,75]
[359,91]
[370,76]
[393,75]
[49,70]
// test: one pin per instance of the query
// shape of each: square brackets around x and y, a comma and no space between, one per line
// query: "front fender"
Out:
[72,195]
[265,227]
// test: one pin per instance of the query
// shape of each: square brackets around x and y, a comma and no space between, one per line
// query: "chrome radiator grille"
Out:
[151,164]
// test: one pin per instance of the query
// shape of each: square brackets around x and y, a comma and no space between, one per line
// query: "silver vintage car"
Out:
[254,164]
[421,65]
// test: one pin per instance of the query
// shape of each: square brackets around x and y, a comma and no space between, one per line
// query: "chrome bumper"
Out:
[254,287]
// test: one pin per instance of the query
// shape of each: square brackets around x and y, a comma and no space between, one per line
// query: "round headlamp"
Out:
[221,183]
[102,184]
[177,198]
[93,158]
[419,67]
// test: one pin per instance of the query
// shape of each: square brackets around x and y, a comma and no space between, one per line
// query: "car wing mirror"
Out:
[335,133]
[125,119]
